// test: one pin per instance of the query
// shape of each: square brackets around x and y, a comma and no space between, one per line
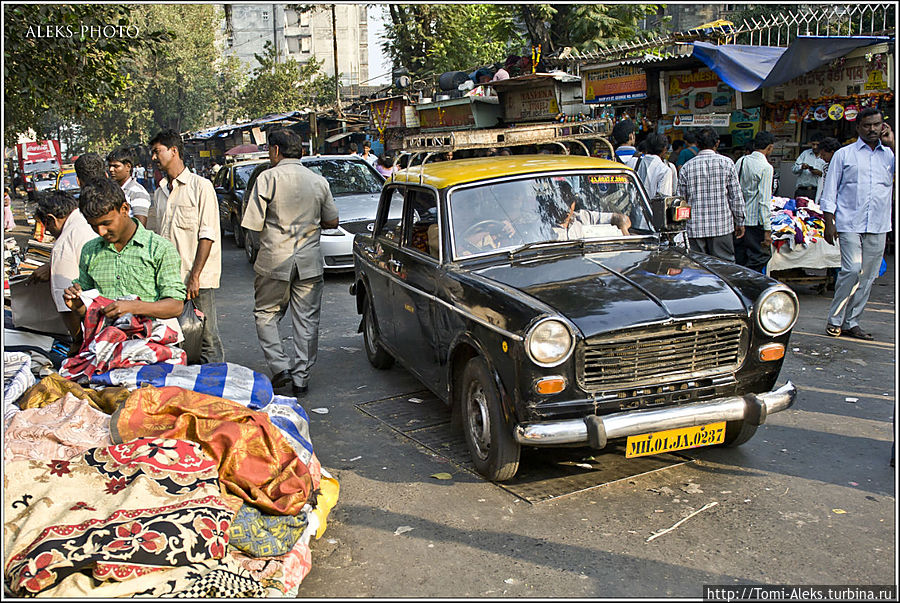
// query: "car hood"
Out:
[607,290]
[357,207]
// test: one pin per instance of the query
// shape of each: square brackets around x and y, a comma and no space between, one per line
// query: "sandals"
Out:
[858,333]
[833,330]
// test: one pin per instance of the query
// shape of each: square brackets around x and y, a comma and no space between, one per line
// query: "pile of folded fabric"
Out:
[158,480]
[795,222]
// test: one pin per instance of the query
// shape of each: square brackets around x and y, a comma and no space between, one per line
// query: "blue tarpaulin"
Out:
[748,68]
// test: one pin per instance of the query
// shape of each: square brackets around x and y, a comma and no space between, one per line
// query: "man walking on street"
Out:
[88,168]
[289,206]
[120,162]
[710,184]
[657,174]
[187,214]
[856,202]
[754,249]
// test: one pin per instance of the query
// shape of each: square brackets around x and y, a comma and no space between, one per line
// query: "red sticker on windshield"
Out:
[609,179]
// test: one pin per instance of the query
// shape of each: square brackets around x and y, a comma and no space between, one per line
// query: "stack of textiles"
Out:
[795,222]
[37,253]
[160,491]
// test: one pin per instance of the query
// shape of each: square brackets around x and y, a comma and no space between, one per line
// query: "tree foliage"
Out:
[277,87]
[427,38]
[583,26]
[72,72]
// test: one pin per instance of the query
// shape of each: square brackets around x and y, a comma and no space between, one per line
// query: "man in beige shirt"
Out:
[289,205]
[187,214]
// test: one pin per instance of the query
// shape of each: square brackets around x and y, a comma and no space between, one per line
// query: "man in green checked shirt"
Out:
[126,259]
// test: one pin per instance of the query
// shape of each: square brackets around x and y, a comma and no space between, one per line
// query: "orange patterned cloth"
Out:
[256,462]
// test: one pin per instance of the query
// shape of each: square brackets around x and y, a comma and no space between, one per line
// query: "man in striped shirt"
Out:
[754,249]
[120,162]
[710,184]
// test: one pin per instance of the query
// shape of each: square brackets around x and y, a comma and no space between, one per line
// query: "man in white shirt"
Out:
[808,168]
[120,162]
[655,172]
[368,155]
[58,212]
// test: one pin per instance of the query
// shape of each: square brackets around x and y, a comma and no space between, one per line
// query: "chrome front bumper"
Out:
[597,431]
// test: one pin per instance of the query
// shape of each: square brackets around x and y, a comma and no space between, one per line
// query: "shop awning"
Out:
[748,68]
[338,136]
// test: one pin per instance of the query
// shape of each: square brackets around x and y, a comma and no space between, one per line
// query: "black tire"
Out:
[239,238]
[738,432]
[250,250]
[377,355]
[489,437]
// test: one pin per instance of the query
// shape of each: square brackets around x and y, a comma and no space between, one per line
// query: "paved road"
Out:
[809,500]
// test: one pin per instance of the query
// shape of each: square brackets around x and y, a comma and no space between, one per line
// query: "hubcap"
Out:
[478,419]
[370,332]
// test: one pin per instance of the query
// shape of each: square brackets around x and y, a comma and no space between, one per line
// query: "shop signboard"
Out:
[527,103]
[698,91]
[621,83]
[852,76]
[386,113]
[744,126]
[701,120]
[459,115]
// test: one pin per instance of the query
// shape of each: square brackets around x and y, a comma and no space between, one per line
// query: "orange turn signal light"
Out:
[550,385]
[771,351]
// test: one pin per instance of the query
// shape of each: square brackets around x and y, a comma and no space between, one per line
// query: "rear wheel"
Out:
[494,451]
[377,355]
[250,250]
[738,432]
[238,231]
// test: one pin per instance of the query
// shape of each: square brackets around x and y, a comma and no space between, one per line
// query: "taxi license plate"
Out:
[675,439]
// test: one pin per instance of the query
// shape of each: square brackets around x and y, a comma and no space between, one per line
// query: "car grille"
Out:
[338,260]
[358,226]
[661,355]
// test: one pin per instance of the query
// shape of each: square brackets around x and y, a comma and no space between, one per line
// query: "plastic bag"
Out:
[191,321]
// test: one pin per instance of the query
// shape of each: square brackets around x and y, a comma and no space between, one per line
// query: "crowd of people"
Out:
[731,200]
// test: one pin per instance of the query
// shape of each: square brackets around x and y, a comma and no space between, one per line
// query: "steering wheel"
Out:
[486,226]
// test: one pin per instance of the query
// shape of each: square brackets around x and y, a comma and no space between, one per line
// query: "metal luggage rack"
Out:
[553,133]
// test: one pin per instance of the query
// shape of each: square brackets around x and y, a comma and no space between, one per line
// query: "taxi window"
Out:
[422,233]
[390,228]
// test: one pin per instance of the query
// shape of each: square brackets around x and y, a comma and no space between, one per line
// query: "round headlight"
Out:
[549,342]
[777,311]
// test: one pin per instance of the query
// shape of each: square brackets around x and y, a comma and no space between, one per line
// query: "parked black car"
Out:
[230,183]
[549,302]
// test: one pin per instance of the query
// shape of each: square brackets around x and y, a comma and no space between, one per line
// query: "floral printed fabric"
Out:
[128,341]
[116,513]
[256,462]
[61,430]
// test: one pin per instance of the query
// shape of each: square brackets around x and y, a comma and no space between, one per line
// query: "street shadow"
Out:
[600,566]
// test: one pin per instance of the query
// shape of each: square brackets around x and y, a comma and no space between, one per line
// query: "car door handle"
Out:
[394,265]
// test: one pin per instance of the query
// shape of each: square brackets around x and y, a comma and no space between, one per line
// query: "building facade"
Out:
[301,35]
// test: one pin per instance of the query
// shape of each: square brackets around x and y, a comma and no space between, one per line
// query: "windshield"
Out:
[501,216]
[67,182]
[347,177]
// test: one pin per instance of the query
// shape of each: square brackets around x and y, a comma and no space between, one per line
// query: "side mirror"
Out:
[670,214]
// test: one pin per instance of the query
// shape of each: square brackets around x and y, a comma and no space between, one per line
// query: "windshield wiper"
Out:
[561,243]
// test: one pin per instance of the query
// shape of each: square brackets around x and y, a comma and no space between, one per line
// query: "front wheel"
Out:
[738,432]
[377,355]
[494,451]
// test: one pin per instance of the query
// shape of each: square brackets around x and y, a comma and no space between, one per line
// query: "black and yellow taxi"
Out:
[549,302]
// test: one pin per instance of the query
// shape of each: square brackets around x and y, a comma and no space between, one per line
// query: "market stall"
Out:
[129,473]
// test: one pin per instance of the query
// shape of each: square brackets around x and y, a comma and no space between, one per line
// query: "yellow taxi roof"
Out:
[443,174]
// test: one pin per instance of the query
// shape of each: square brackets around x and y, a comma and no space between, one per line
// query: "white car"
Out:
[355,186]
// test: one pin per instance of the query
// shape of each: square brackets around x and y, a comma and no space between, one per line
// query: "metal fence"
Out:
[772,30]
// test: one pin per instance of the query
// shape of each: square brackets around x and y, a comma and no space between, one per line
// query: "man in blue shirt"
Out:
[856,202]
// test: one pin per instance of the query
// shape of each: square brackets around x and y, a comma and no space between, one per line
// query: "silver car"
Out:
[355,186]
